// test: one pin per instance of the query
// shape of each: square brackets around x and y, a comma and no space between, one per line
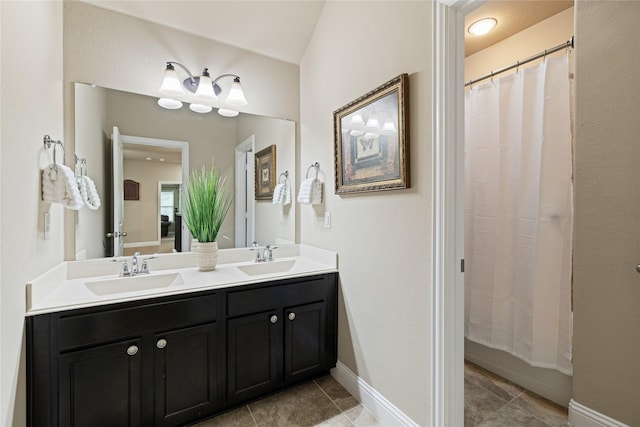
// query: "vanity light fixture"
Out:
[227,113]
[169,104]
[482,26]
[203,87]
[200,108]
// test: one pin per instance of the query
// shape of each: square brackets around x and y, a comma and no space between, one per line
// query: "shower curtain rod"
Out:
[566,45]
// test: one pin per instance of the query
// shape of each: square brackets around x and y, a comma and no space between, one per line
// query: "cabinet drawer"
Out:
[89,328]
[267,298]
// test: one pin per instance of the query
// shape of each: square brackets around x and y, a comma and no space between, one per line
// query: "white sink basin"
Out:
[131,284]
[267,267]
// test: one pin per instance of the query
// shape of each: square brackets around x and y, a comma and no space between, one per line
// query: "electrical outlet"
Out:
[47,226]
[327,219]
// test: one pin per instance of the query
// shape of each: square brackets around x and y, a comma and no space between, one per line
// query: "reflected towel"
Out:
[310,191]
[59,185]
[88,192]
[282,194]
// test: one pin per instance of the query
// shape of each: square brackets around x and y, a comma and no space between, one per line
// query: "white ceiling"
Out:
[512,17]
[282,29]
[278,29]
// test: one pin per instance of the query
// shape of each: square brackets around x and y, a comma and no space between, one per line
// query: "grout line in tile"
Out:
[255,422]
[328,397]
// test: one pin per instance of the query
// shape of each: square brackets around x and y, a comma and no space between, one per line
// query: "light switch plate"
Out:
[327,219]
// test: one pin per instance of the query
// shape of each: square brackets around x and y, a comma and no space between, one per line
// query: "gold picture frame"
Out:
[265,173]
[372,140]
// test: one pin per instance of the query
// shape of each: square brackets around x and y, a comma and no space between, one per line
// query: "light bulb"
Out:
[236,95]
[205,87]
[171,83]
[200,108]
[227,113]
[169,104]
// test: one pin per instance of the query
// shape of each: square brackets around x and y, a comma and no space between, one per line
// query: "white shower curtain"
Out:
[518,215]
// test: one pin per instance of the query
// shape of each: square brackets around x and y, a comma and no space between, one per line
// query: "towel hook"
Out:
[47,141]
[285,174]
[316,166]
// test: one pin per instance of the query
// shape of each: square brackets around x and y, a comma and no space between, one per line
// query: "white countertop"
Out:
[64,287]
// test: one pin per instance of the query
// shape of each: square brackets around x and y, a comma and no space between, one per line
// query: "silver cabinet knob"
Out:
[292,316]
[162,343]
[274,319]
[638,268]
[132,350]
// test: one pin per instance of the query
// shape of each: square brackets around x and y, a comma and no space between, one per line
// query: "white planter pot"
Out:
[206,255]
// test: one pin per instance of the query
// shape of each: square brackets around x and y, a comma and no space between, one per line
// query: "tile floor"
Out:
[489,401]
[322,402]
[492,401]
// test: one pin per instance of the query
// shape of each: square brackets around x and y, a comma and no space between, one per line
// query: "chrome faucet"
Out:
[263,254]
[135,270]
[267,254]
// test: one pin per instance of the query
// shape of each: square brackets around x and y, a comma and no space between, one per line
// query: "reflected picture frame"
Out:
[372,141]
[265,173]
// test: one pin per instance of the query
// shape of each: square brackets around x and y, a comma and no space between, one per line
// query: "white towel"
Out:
[88,192]
[278,194]
[59,185]
[282,193]
[287,194]
[310,191]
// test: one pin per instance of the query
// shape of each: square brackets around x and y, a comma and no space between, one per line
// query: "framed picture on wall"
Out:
[372,141]
[265,173]
[131,189]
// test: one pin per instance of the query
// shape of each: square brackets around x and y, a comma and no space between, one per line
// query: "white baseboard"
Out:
[583,416]
[386,412]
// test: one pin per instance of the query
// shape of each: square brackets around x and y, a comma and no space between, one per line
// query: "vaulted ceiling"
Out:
[282,29]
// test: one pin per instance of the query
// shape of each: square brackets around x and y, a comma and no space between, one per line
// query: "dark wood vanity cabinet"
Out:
[280,335]
[174,360]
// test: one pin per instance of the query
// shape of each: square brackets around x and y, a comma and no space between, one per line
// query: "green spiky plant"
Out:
[206,201]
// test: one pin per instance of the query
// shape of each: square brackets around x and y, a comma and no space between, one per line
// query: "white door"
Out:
[117,195]
[245,193]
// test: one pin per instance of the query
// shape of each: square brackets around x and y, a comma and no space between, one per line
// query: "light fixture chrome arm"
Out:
[235,77]
[193,79]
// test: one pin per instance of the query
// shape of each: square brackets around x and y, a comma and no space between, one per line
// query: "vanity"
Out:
[178,345]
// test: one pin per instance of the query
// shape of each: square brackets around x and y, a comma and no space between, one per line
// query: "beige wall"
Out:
[273,222]
[92,133]
[383,238]
[607,200]
[121,52]
[142,217]
[31,106]
[535,39]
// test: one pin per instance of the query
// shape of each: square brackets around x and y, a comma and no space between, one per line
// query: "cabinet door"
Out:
[186,374]
[100,386]
[304,341]
[253,355]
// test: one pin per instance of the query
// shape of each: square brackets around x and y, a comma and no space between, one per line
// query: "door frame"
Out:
[184,148]
[244,162]
[160,184]
[447,299]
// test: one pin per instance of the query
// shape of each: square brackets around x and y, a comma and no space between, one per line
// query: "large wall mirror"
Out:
[155,149]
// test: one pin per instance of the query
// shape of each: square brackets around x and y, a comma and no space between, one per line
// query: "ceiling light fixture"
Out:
[203,88]
[482,26]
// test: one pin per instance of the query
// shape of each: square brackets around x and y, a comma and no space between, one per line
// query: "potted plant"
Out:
[206,201]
